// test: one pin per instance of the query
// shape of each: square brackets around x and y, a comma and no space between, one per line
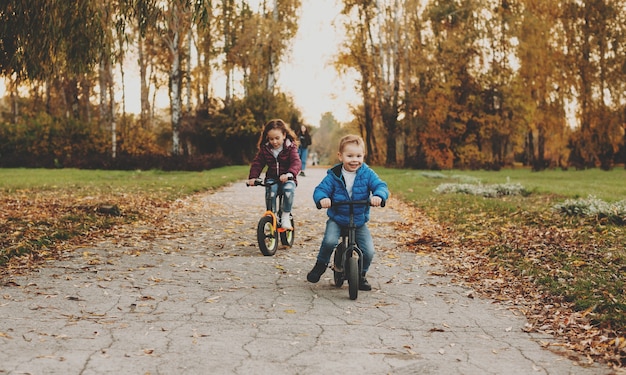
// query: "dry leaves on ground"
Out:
[40,225]
[467,261]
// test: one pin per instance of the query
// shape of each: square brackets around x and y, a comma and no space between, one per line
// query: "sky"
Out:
[308,74]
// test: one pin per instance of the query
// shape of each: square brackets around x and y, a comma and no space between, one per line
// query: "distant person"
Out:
[315,160]
[304,138]
[351,179]
[278,150]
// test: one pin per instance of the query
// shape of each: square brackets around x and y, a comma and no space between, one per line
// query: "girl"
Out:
[278,150]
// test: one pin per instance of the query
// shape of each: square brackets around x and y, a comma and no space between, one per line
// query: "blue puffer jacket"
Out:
[333,186]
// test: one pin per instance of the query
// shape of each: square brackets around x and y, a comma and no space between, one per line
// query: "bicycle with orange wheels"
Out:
[269,230]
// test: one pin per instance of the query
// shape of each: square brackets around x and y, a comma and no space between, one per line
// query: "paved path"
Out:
[201,299]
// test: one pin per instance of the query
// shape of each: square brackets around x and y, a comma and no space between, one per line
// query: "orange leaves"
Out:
[538,268]
[39,224]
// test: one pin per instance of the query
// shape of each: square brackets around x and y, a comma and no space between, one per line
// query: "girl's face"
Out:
[351,156]
[276,138]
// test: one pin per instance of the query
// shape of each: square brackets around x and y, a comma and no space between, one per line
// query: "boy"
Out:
[351,179]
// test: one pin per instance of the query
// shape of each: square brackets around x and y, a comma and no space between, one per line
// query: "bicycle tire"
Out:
[287,237]
[267,236]
[338,269]
[352,270]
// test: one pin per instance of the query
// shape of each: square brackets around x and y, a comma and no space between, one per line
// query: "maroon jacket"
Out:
[287,161]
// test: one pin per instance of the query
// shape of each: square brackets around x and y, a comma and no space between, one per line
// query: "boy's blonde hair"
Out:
[351,138]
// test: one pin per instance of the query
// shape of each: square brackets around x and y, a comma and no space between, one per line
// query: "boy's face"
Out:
[276,138]
[351,156]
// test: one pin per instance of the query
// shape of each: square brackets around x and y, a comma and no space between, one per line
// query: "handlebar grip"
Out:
[257,182]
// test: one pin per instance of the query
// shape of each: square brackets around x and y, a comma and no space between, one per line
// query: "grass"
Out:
[165,185]
[579,260]
[45,210]
[609,185]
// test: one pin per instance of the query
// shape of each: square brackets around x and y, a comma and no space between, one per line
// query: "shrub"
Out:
[593,207]
[433,175]
[491,191]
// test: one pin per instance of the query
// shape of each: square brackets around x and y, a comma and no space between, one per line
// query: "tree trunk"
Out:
[541,149]
[144,116]
[112,111]
[271,74]
[188,93]
[14,96]
[175,96]
[530,149]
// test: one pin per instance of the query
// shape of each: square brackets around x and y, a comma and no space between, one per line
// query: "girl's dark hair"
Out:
[277,124]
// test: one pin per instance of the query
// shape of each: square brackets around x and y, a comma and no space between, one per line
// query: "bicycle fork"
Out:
[275,221]
[274,209]
[347,252]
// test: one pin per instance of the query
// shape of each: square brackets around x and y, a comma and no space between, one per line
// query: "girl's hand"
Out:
[251,181]
[325,202]
[375,201]
[284,177]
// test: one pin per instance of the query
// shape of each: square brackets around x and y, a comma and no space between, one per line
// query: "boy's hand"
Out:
[375,201]
[251,181]
[285,177]
[325,202]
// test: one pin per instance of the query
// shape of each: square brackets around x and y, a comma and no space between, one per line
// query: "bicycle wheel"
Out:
[352,270]
[287,237]
[338,266]
[266,235]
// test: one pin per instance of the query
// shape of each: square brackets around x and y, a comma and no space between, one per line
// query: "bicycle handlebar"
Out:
[351,203]
[260,182]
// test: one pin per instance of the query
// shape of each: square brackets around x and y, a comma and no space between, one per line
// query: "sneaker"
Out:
[302,174]
[316,272]
[363,284]
[285,221]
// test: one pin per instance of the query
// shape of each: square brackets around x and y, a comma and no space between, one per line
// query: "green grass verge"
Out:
[579,259]
[45,210]
[166,185]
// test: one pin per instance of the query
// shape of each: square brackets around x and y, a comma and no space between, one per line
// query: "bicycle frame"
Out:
[274,215]
[344,266]
[269,229]
[349,269]
[348,234]
[279,202]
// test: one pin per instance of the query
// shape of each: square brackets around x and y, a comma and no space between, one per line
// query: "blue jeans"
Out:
[288,190]
[304,154]
[331,239]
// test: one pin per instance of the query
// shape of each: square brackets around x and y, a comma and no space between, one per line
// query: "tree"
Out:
[174,22]
[52,43]
[357,55]
[325,138]
[595,40]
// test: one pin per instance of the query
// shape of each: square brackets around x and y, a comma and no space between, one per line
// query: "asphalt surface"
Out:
[200,298]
